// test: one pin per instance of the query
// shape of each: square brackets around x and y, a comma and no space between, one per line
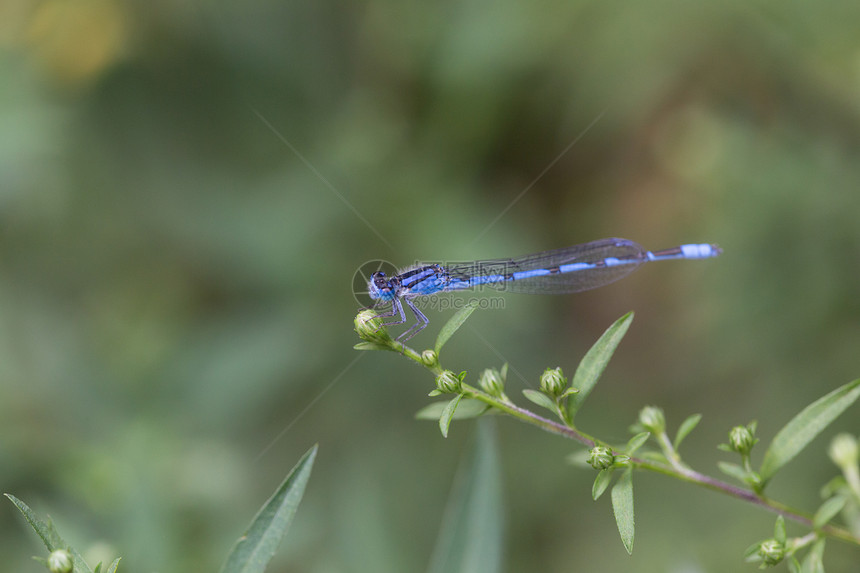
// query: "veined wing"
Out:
[566,270]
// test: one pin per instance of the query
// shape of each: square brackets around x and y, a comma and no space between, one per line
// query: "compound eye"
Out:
[379,280]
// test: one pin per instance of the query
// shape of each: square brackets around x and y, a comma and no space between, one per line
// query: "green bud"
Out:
[491,382]
[60,561]
[369,327]
[844,451]
[553,382]
[771,551]
[652,419]
[600,457]
[448,383]
[742,439]
[429,358]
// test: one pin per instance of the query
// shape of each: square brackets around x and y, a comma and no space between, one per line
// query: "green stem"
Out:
[528,416]
[670,453]
[677,470]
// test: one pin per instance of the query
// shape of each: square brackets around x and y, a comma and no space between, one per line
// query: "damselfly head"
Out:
[379,287]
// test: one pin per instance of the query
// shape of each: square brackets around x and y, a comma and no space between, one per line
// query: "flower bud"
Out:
[60,561]
[771,551]
[369,327]
[652,419]
[448,383]
[429,358]
[600,457]
[742,439]
[844,451]
[553,382]
[491,382]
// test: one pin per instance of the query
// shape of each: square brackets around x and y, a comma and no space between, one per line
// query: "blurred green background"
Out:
[186,190]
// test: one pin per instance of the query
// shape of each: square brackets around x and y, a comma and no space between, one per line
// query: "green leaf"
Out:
[50,537]
[540,399]
[601,482]
[793,564]
[470,538]
[734,471]
[804,427]
[622,507]
[371,346]
[636,442]
[814,560]
[751,553]
[779,529]
[454,324]
[448,414]
[253,551]
[828,510]
[592,366]
[686,427]
[468,408]
[568,392]
[113,566]
[833,487]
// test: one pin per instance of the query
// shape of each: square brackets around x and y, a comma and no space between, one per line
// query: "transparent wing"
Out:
[592,271]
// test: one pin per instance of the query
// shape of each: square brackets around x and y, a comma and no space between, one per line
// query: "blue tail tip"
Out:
[701,251]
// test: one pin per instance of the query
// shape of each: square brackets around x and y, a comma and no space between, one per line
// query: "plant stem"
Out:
[528,416]
[679,472]
[677,469]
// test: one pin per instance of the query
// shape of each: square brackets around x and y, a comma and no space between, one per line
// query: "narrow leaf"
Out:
[371,346]
[779,529]
[793,564]
[734,471]
[804,427]
[568,392]
[113,566]
[828,510]
[50,537]
[686,427]
[471,535]
[255,548]
[601,482]
[468,408]
[595,361]
[814,560]
[455,323]
[622,507]
[751,554]
[448,414]
[540,399]
[833,487]
[636,442]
